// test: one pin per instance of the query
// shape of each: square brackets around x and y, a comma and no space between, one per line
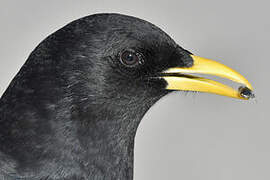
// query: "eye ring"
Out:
[130,58]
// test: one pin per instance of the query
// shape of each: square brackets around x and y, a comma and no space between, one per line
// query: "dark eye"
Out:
[130,58]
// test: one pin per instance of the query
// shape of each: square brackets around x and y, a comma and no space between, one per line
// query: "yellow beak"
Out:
[178,80]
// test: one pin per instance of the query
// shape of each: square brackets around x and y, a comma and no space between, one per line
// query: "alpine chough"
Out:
[72,111]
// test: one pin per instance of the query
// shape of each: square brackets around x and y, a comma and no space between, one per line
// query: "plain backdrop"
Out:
[185,135]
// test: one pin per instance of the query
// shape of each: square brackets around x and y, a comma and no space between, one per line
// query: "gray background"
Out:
[184,136]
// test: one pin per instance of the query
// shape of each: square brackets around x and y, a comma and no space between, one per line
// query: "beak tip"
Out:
[246,92]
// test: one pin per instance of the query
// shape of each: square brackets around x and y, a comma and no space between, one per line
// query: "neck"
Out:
[111,162]
[106,132]
[108,141]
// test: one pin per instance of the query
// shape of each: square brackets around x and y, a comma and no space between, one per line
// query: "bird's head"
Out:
[122,65]
[123,56]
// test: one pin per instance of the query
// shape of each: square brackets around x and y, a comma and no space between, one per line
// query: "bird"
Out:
[73,109]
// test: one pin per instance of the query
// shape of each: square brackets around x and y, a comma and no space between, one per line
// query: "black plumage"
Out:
[73,109]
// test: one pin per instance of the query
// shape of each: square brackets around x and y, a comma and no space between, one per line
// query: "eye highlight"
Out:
[130,58]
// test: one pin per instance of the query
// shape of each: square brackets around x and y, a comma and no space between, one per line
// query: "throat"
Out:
[113,164]
[106,133]
[113,161]
[109,148]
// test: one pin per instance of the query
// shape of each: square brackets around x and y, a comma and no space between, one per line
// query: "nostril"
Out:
[184,56]
[187,61]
